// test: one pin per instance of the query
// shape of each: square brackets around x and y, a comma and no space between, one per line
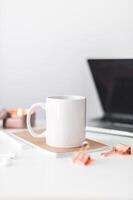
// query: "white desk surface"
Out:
[36,176]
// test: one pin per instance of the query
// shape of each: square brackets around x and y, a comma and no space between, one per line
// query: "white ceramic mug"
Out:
[65,120]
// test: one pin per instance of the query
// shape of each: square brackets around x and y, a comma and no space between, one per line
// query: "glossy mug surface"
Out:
[65,120]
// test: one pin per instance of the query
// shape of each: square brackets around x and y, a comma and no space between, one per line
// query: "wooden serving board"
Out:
[41,142]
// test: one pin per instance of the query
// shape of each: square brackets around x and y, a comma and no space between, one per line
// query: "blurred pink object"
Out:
[81,157]
[121,149]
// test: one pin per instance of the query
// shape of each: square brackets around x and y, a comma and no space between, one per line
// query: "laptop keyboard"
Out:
[117,124]
[119,120]
[120,126]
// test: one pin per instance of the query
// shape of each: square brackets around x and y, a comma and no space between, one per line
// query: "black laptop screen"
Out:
[114,82]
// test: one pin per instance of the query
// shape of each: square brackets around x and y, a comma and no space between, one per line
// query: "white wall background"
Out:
[44,45]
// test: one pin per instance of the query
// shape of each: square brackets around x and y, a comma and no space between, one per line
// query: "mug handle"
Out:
[30,110]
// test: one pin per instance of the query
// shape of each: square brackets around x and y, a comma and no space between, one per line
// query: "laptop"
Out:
[113,79]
